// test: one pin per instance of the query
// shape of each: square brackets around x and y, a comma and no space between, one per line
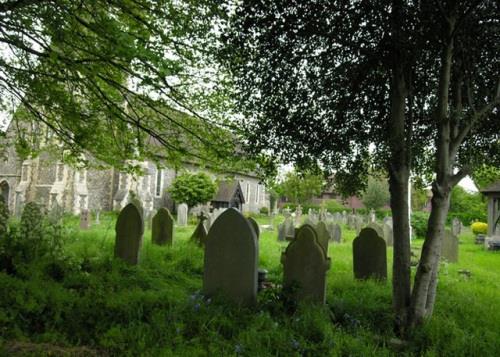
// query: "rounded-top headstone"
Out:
[255,226]
[162,229]
[369,255]
[323,236]
[129,228]
[231,258]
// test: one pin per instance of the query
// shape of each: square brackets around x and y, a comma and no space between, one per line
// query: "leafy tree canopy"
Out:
[192,189]
[486,175]
[300,187]
[376,194]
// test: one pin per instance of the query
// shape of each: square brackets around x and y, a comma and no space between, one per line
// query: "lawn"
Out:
[83,302]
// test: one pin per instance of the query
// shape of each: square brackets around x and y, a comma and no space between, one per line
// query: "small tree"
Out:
[376,194]
[301,187]
[192,189]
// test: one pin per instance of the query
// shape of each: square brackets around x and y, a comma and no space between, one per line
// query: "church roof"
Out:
[493,188]
[228,190]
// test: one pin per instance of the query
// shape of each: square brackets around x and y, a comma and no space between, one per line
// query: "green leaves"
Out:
[192,189]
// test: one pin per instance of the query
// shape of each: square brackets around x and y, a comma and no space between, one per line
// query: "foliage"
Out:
[479,228]
[192,188]
[264,210]
[419,222]
[466,206]
[300,187]
[418,198]
[333,206]
[376,194]
[4,216]
[123,80]
[486,175]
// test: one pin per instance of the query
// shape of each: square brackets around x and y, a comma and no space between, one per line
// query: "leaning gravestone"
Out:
[323,236]
[182,214]
[305,265]
[388,234]
[200,233]
[84,219]
[162,228]
[369,255]
[449,249]
[129,230]
[456,227]
[231,257]
[255,226]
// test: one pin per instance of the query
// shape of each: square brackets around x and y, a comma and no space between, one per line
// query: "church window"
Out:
[159,182]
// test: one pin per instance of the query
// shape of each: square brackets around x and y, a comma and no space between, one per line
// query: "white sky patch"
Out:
[468,184]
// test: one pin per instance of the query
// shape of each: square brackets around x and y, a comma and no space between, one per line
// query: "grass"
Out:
[87,303]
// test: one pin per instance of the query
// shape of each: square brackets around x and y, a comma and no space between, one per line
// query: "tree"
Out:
[467,206]
[376,194]
[485,176]
[192,189]
[299,188]
[109,77]
[321,81]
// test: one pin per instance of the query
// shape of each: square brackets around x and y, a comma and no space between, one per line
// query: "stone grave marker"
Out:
[377,228]
[286,229]
[323,236]
[84,219]
[305,265]
[162,228]
[369,255]
[200,233]
[255,226]
[456,227]
[129,230]
[449,248]
[231,258]
[336,233]
[372,217]
[388,234]
[182,214]
[298,215]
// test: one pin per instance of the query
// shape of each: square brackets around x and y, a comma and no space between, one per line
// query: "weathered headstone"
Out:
[305,265]
[358,224]
[336,233]
[129,230]
[388,234]
[182,214]
[200,233]
[449,248]
[255,226]
[377,228]
[286,229]
[231,257]
[84,219]
[162,228]
[344,217]
[372,217]
[323,236]
[456,227]
[369,255]
[298,215]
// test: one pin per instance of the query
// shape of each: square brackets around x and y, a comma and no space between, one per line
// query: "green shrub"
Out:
[419,223]
[4,217]
[479,228]
[334,206]
[264,210]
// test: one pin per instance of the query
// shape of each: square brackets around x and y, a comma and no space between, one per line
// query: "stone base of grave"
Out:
[480,239]
[494,243]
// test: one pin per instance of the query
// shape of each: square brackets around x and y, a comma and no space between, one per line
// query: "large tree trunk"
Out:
[399,173]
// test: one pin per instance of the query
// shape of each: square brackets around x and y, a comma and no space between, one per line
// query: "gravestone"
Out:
[323,236]
[200,233]
[97,216]
[369,255]
[84,219]
[388,234]
[56,213]
[129,230]
[336,233]
[456,227]
[322,214]
[449,248]
[372,217]
[298,215]
[305,265]
[182,214]
[377,228]
[286,229]
[231,257]
[358,224]
[344,217]
[255,226]
[162,228]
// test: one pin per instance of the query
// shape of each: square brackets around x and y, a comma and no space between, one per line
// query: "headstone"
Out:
[456,227]
[336,233]
[372,217]
[449,249]
[494,243]
[162,228]
[344,217]
[231,257]
[255,226]
[358,224]
[388,234]
[200,233]
[97,216]
[322,214]
[56,213]
[323,236]
[388,219]
[369,255]
[377,228]
[84,219]
[182,214]
[129,230]
[286,229]
[305,265]
[298,215]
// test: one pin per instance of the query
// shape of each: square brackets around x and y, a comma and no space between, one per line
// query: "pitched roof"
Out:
[493,188]
[227,190]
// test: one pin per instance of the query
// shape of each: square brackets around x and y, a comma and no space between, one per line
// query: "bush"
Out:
[467,207]
[479,228]
[264,210]
[419,223]
[334,206]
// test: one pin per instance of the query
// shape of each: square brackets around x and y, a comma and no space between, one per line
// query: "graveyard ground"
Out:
[82,302]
